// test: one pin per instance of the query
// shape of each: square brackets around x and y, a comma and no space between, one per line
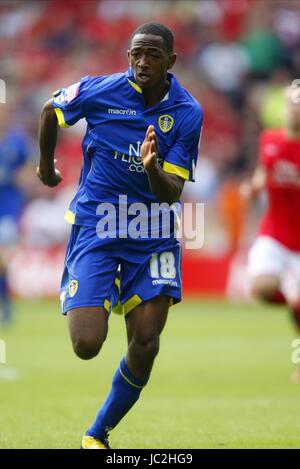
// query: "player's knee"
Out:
[86,349]
[148,347]
[263,293]
[264,290]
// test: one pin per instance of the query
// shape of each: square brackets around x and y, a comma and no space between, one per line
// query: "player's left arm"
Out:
[179,164]
[48,129]
[167,187]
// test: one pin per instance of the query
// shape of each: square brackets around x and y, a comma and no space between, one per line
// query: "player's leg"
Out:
[269,263]
[144,325]
[266,265]
[86,291]
[5,301]
[8,238]
[268,288]
[293,288]
[86,287]
[88,330]
[295,317]
[148,281]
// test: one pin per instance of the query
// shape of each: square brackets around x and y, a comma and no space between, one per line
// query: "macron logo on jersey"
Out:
[122,112]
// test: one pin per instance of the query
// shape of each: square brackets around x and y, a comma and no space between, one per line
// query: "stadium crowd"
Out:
[234,56]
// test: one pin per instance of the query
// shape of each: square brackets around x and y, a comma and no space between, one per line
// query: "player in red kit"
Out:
[274,258]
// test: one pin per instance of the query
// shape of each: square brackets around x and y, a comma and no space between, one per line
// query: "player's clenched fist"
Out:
[149,149]
[49,177]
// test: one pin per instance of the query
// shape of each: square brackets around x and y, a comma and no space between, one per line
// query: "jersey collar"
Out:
[175,93]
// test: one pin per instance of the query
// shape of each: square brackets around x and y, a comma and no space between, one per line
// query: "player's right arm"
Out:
[48,128]
[65,109]
[252,187]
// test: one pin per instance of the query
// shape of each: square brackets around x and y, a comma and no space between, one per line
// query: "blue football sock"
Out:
[124,393]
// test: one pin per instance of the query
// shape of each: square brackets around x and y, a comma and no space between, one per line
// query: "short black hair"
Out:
[157,29]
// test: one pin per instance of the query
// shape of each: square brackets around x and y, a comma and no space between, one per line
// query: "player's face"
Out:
[149,60]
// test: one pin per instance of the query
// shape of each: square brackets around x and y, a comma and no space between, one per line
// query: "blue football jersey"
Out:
[14,153]
[117,119]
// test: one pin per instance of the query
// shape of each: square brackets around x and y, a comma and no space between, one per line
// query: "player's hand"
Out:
[149,149]
[48,177]
[246,190]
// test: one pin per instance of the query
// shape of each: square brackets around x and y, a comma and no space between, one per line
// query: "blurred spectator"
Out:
[225,64]
[14,154]
[235,56]
[272,103]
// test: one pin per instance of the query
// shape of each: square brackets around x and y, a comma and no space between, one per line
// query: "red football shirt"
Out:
[280,157]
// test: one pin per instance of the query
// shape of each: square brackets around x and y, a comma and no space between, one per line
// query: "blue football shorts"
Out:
[118,274]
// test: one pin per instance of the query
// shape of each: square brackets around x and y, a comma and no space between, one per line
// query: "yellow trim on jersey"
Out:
[70,217]
[175,169]
[128,380]
[61,118]
[135,86]
[107,305]
[131,303]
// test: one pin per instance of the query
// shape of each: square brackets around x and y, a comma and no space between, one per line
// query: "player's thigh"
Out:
[264,285]
[88,328]
[86,287]
[146,321]
[267,263]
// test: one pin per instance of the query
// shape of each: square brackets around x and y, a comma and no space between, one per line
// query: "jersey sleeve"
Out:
[182,157]
[69,103]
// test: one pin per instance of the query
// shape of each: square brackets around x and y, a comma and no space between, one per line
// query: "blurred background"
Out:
[235,57]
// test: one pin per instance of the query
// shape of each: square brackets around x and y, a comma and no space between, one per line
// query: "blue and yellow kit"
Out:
[117,119]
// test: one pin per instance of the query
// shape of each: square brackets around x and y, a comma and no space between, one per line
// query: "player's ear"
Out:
[128,56]
[172,60]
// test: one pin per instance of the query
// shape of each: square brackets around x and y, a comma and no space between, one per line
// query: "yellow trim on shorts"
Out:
[107,305]
[118,284]
[134,301]
[61,118]
[175,169]
[118,309]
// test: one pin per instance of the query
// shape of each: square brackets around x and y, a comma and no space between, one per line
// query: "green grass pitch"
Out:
[221,380]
